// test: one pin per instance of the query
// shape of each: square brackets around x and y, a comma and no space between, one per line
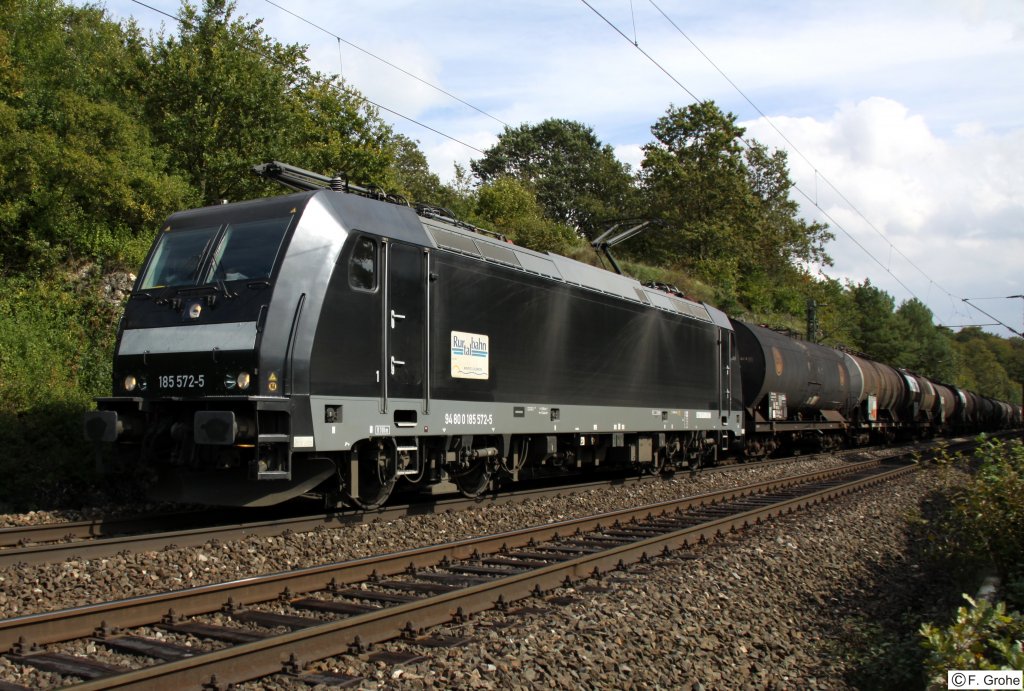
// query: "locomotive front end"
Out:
[201,368]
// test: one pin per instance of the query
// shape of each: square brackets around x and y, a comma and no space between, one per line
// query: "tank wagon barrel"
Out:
[947,404]
[783,376]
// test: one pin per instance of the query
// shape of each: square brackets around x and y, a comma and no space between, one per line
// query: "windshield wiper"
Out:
[168,296]
[223,287]
[218,283]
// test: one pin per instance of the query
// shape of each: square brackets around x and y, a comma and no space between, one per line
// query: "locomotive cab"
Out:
[205,359]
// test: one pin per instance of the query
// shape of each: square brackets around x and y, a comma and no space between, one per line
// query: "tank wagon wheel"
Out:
[378,472]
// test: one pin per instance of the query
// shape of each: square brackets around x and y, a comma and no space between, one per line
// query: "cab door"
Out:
[405,322]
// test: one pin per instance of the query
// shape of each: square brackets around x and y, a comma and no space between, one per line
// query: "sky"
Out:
[903,121]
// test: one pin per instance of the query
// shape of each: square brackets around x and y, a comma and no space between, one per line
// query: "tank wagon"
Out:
[336,341]
[799,393]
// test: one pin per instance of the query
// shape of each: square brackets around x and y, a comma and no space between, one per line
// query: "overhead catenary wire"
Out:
[814,200]
[643,52]
[1010,328]
[159,11]
[356,93]
[794,147]
[388,63]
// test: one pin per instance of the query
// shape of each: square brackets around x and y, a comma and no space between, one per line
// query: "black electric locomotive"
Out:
[330,340]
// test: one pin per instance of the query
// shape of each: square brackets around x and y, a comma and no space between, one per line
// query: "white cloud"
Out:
[633,154]
[914,109]
[951,209]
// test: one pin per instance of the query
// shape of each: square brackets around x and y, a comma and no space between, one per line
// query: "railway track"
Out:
[327,610]
[17,545]
[92,539]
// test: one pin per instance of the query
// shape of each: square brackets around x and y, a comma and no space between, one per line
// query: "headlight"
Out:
[243,380]
[229,381]
[130,383]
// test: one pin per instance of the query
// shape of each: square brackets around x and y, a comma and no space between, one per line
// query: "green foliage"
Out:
[216,98]
[983,637]
[925,348]
[412,173]
[835,309]
[336,130]
[84,176]
[981,524]
[694,176]
[985,517]
[873,323]
[731,221]
[220,96]
[55,342]
[513,209]
[985,362]
[577,179]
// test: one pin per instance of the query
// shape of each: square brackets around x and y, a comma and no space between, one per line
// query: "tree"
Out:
[216,97]
[987,364]
[980,370]
[577,180]
[1015,364]
[873,323]
[777,241]
[926,348]
[834,307]
[84,178]
[412,173]
[336,130]
[513,209]
[727,204]
[693,177]
[221,95]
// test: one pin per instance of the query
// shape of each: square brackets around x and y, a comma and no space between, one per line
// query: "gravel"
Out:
[760,610]
[96,513]
[776,607]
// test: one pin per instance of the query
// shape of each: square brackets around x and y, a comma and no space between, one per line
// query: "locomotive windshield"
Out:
[177,258]
[226,252]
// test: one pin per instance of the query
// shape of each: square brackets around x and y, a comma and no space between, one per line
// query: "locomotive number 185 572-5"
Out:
[181,381]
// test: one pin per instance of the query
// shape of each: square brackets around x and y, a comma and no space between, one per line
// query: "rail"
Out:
[465,576]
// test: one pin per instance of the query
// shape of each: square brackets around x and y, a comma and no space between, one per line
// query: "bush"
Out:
[984,636]
[982,525]
[56,336]
[984,519]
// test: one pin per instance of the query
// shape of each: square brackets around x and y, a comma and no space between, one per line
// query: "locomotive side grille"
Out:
[454,241]
[691,309]
[499,254]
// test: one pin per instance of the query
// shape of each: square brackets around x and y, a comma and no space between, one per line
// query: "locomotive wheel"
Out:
[660,459]
[378,472]
[475,480]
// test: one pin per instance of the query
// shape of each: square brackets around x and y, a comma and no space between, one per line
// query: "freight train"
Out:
[341,342]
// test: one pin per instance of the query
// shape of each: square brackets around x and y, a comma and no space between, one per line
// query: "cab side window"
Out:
[362,268]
